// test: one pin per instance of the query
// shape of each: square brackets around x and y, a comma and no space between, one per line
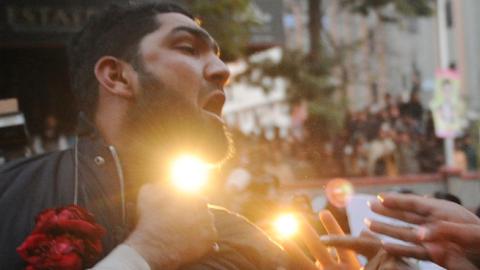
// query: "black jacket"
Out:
[31,185]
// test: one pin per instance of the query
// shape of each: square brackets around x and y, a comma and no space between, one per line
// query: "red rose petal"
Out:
[65,238]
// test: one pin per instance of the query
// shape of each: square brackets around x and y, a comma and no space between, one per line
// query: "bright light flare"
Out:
[189,173]
[339,192]
[286,225]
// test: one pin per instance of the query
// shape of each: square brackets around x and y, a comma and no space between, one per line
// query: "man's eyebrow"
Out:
[200,34]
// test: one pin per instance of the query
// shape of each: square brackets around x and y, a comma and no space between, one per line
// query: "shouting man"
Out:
[149,82]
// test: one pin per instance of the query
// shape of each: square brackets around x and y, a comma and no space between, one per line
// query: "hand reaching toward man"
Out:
[166,236]
[448,234]
[345,257]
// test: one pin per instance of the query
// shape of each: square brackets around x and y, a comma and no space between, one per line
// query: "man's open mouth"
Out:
[214,103]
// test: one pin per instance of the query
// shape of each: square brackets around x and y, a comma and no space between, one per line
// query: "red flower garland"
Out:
[65,238]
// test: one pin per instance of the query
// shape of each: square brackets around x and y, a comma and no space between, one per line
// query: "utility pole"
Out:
[444,60]
[315,28]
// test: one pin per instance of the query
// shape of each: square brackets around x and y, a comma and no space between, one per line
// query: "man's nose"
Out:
[217,72]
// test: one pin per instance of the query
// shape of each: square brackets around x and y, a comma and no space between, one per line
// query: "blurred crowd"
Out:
[389,138]
[397,138]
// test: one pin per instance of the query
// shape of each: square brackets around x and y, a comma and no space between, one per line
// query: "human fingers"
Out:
[368,234]
[465,235]
[407,202]
[312,241]
[331,225]
[429,208]
[385,261]
[375,262]
[365,246]
[165,225]
[298,259]
[392,262]
[414,251]
[405,233]
[405,215]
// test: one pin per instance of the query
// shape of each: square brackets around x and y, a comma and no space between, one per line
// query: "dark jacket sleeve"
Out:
[27,187]
[242,246]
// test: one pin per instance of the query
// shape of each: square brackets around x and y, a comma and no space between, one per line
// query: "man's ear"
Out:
[116,76]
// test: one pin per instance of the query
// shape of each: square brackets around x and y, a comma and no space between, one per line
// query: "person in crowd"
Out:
[278,165]
[429,126]
[470,152]
[388,101]
[149,82]
[259,203]
[414,108]
[363,126]
[303,168]
[412,126]
[51,139]
[381,153]
[237,182]
[430,154]
[350,124]
[394,117]
[459,157]
[406,154]
[359,157]
[383,118]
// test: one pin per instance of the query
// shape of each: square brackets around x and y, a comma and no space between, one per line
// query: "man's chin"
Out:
[155,153]
[218,148]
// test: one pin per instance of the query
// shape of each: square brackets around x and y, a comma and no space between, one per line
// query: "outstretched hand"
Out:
[448,234]
[420,210]
[367,244]
[345,257]
[163,235]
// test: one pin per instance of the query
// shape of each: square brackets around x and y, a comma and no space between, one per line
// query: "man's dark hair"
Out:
[116,32]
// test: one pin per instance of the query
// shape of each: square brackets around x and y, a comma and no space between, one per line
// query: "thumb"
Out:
[298,259]
[333,228]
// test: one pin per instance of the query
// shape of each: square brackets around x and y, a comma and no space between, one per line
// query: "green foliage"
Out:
[228,21]
[326,118]
[409,8]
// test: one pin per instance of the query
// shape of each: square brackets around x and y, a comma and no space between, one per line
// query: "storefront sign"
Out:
[47,18]
[46,22]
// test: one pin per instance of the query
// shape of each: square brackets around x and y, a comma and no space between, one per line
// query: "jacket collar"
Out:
[101,159]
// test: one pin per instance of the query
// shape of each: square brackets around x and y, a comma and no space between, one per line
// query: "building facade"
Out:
[395,57]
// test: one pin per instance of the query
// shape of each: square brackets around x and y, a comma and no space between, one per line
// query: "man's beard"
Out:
[164,124]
